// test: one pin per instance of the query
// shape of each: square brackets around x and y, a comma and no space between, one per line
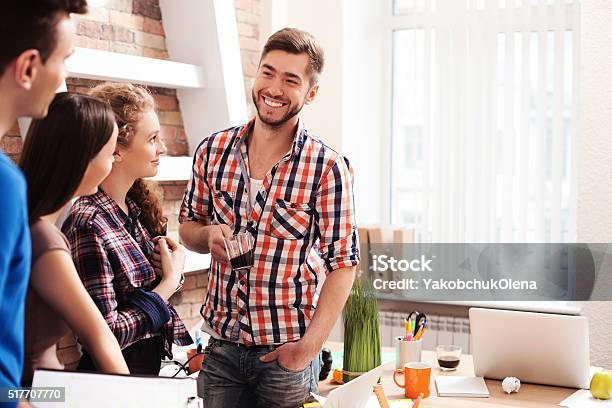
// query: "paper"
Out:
[458,386]
[320,399]
[105,390]
[398,403]
[584,399]
[373,402]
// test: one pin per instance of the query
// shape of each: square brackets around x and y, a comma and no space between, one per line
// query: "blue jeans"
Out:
[233,376]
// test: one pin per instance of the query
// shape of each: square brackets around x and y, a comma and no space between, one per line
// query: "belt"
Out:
[269,347]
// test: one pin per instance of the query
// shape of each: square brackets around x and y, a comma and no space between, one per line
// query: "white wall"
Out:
[366,99]
[348,111]
[223,99]
[323,116]
[594,215]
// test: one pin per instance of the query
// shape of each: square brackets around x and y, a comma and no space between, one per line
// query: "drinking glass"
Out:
[449,357]
[239,249]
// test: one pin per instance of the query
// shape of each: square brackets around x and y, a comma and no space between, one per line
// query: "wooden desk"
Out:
[530,395]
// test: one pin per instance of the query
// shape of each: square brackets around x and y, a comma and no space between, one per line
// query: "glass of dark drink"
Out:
[239,249]
[448,357]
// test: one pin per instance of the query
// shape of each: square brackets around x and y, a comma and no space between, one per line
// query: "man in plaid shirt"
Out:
[294,194]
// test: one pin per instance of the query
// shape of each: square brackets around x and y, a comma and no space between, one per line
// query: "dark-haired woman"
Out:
[111,235]
[66,154]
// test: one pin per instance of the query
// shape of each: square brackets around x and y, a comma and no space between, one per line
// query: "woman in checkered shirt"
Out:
[113,234]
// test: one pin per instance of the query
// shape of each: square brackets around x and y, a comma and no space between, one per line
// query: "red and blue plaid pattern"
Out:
[303,221]
[113,264]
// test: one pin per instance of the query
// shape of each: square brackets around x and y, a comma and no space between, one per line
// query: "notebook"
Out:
[357,392]
[455,386]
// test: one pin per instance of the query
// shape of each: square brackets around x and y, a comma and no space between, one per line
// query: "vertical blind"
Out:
[484,109]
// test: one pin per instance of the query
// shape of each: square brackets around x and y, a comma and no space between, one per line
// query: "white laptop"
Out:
[536,348]
[357,392]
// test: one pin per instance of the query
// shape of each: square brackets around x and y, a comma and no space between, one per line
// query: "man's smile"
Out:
[272,103]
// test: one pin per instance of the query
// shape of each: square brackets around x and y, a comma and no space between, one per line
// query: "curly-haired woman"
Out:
[113,234]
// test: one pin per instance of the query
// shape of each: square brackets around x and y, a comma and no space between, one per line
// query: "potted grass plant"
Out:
[361,331]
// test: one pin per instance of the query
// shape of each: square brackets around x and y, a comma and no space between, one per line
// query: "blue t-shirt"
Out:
[15,253]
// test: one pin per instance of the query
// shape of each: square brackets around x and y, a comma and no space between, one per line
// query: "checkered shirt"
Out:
[303,222]
[113,264]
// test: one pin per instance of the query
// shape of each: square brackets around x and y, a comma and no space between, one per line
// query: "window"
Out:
[483,119]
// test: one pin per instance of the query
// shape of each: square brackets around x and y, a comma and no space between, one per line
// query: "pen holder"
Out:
[407,351]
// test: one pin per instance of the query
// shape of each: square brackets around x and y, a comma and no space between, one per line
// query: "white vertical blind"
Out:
[483,119]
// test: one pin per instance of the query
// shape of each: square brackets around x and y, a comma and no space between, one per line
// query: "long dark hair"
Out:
[129,102]
[59,147]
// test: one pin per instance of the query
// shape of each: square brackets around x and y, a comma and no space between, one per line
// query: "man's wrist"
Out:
[311,345]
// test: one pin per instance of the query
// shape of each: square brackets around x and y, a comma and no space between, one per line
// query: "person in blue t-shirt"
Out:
[37,37]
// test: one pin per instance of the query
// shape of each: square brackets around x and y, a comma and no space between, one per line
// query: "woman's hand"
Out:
[156,258]
[169,260]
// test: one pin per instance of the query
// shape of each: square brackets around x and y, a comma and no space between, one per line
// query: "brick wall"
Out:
[168,111]
[189,300]
[125,26]
[136,27]
[248,19]
[11,143]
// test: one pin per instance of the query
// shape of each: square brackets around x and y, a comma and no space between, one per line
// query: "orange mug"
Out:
[417,377]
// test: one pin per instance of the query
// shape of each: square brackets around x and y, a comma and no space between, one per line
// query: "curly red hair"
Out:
[128,102]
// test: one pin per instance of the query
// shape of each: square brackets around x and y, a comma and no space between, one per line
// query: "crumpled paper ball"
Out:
[511,384]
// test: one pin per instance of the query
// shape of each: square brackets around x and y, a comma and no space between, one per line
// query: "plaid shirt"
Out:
[111,252]
[303,222]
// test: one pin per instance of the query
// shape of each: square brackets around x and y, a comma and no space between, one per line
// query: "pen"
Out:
[420,332]
[417,401]
[198,340]
[415,324]
[382,398]
[407,325]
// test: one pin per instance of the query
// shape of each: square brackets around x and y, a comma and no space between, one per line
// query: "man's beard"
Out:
[280,122]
